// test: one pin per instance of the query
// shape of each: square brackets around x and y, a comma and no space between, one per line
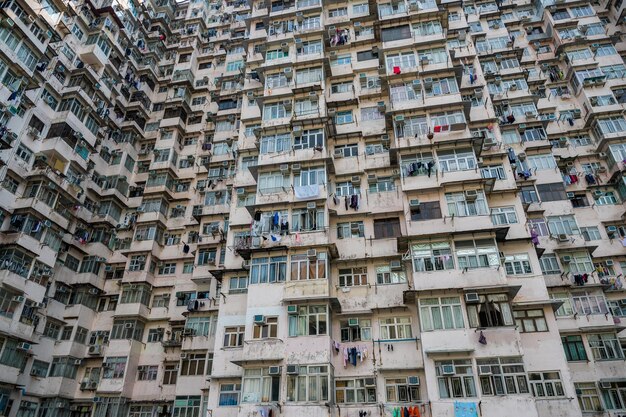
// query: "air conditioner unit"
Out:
[18,299]
[311,253]
[353,322]
[284,167]
[94,291]
[128,325]
[183,355]
[563,238]
[241,191]
[296,131]
[570,195]
[602,155]
[78,362]
[566,259]
[259,319]
[355,179]
[284,46]
[92,385]
[484,369]
[372,178]
[288,72]
[609,262]
[381,106]
[311,205]
[338,153]
[370,382]
[472,298]
[471,195]
[601,170]
[95,350]
[23,346]
[395,265]
[296,167]
[447,370]
[414,203]
[292,309]
[399,119]
[413,380]
[605,385]
[611,230]
[274,370]
[293,370]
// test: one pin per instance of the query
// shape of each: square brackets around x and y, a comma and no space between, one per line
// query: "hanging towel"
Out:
[463,409]
[306,191]
[185,248]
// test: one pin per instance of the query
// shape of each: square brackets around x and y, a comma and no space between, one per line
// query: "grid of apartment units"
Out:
[312,208]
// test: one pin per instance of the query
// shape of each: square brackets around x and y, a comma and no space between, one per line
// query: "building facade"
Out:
[312,208]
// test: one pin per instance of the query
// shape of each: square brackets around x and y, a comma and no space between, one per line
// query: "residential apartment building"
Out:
[311,207]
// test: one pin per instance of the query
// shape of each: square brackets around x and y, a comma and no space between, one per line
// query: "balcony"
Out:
[93,55]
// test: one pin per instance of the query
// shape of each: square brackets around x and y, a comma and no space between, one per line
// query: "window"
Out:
[161,300]
[24,153]
[467,204]
[588,397]
[492,310]
[351,332]
[350,230]
[500,376]
[395,328]
[127,329]
[147,372]
[311,320]
[268,329]
[202,326]
[233,336]
[229,394]
[530,320]
[427,210]
[503,215]
[494,171]
[52,329]
[81,335]
[264,270]
[546,384]
[259,386]
[356,391]
[551,192]
[387,228]
[350,277]
[566,308]
[66,334]
[344,117]
[590,233]
[186,406]
[565,225]
[39,368]
[155,335]
[238,285]
[310,385]
[480,253]
[193,364]
[428,257]
[170,373]
[114,367]
[574,348]
[382,184]
[517,264]
[384,275]
[606,198]
[398,390]
[167,268]
[605,346]
[614,395]
[455,378]
[64,367]
[586,303]
[441,313]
